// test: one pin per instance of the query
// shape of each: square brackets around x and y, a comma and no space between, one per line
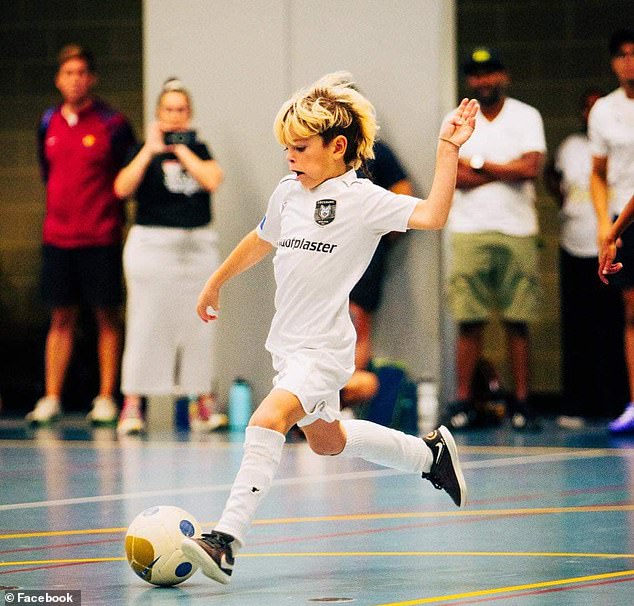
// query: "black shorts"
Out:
[625,254]
[88,275]
[368,290]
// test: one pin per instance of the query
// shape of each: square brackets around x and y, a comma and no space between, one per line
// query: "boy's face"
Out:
[313,162]
[74,81]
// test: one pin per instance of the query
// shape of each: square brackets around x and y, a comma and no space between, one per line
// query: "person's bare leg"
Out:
[108,349]
[59,348]
[518,349]
[362,386]
[468,352]
[362,321]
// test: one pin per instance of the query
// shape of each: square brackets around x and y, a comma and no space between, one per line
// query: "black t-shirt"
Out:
[385,169]
[169,196]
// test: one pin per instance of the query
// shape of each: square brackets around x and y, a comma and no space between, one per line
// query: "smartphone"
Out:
[185,137]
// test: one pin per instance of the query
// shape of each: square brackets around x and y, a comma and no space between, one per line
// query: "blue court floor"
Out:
[550,520]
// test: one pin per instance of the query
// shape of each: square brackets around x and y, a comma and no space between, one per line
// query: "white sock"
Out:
[385,446]
[261,458]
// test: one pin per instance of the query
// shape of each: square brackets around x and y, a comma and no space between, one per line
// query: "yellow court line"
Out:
[542,585]
[452,514]
[61,533]
[358,554]
[522,511]
[64,561]
[490,554]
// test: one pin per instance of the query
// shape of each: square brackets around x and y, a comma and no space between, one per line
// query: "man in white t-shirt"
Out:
[611,129]
[594,377]
[493,224]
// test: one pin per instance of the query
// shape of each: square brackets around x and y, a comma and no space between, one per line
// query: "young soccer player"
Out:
[325,223]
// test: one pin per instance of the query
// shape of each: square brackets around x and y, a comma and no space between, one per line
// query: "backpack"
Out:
[395,404]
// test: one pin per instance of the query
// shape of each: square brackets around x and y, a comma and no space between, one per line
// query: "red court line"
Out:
[550,495]
[511,595]
[368,531]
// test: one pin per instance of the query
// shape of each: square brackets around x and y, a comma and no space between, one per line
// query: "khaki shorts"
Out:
[494,271]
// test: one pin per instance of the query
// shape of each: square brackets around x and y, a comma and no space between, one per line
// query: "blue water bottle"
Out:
[240,404]
[181,413]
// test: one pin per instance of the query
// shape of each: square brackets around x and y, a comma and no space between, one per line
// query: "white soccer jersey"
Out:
[325,238]
[503,206]
[611,130]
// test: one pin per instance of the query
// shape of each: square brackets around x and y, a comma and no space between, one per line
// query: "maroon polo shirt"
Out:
[79,164]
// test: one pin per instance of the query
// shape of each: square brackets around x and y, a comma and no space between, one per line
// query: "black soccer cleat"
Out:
[445,473]
[213,554]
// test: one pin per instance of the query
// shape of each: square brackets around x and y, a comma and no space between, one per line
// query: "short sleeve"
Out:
[122,140]
[535,138]
[270,225]
[131,154]
[598,142]
[384,211]
[202,151]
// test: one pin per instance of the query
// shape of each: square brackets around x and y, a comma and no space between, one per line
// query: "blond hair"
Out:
[330,107]
[174,85]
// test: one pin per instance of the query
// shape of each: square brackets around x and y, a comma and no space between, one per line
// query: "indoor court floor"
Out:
[550,520]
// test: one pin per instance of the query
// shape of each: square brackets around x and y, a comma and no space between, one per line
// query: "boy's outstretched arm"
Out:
[249,251]
[432,213]
[609,245]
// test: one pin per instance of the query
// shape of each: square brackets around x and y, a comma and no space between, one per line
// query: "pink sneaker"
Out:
[203,417]
[131,420]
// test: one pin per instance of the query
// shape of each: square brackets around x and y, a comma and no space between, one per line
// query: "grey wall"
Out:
[241,60]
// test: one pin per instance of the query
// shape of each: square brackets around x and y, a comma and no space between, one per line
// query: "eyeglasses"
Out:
[623,54]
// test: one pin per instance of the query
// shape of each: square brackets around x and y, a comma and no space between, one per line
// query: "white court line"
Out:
[358,475]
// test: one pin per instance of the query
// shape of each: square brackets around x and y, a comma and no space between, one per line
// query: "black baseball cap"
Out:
[483,59]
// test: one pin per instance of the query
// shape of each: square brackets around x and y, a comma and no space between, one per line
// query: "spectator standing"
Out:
[167,257]
[592,354]
[611,130]
[493,225]
[386,171]
[82,143]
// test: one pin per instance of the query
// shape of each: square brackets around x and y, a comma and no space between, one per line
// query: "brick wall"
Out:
[31,33]
[554,51]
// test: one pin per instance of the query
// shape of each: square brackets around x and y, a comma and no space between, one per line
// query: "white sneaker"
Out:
[46,410]
[104,411]
[130,420]
[569,422]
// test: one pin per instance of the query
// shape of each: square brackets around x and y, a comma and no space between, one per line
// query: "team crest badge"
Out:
[325,211]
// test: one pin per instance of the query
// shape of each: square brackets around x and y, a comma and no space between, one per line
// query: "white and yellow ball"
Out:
[153,544]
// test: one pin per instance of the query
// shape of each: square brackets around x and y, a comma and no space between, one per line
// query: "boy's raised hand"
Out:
[459,127]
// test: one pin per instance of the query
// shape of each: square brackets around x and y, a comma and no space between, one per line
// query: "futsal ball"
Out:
[153,544]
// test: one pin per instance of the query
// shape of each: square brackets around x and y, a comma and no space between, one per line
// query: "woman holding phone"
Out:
[167,257]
